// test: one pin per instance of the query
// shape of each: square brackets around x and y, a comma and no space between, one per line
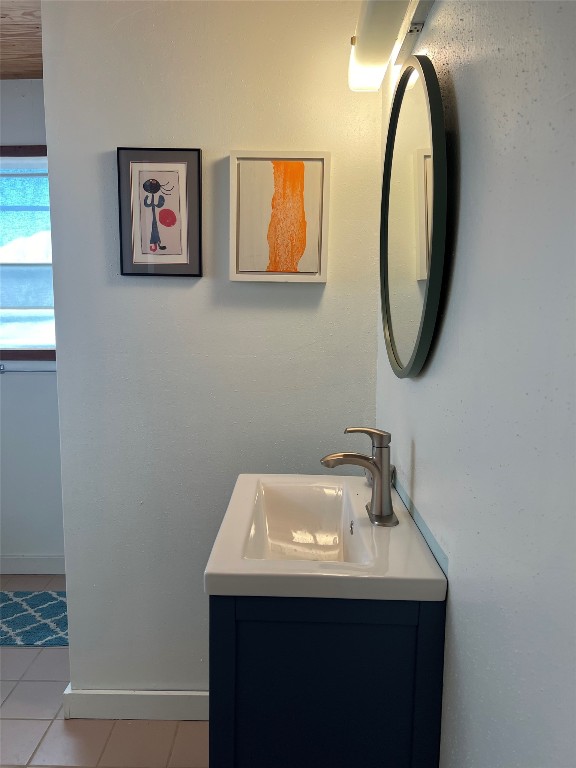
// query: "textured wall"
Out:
[484,441]
[31,500]
[170,387]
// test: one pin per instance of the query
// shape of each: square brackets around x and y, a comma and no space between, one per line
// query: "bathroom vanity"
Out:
[326,632]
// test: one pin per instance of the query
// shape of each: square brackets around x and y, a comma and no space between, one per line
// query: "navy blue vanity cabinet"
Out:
[325,683]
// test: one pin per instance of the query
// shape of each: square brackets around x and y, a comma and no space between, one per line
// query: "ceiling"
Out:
[20,39]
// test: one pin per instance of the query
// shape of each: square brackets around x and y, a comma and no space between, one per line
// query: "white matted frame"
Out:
[424,191]
[279,216]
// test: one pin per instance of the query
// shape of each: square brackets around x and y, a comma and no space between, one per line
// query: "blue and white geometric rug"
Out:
[33,619]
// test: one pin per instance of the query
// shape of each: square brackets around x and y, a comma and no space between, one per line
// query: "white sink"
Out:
[302,520]
[310,536]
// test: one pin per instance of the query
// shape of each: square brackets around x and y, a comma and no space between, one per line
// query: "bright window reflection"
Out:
[26,296]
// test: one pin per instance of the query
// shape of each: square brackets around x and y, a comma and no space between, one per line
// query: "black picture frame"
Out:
[161,218]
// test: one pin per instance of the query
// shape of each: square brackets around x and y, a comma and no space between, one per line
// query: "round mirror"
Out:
[413,217]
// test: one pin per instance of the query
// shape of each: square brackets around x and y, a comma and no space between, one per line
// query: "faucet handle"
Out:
[380,439]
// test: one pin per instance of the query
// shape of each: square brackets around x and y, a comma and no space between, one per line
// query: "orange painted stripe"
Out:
[287,228]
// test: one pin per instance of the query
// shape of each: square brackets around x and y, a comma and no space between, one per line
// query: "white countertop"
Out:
[401,566]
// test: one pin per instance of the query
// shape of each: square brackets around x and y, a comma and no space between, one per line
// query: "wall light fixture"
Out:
[385,33]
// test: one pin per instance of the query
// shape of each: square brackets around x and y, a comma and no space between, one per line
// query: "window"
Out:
[26,296]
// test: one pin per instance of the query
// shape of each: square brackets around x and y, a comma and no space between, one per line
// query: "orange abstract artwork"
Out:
[287,228]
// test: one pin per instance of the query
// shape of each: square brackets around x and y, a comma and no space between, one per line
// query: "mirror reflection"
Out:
[413,221]
[410,217]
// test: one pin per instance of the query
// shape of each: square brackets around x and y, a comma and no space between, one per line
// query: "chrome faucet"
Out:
[380,509]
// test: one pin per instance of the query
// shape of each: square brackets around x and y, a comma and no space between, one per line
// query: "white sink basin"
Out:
[304,520]
[291,536]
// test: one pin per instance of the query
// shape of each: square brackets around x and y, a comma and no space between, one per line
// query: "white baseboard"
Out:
[136,705]
[24,564]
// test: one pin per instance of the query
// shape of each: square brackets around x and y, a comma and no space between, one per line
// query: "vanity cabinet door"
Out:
[308,683]
[324,695]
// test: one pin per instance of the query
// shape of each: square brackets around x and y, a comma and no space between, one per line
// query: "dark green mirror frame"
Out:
[432,292]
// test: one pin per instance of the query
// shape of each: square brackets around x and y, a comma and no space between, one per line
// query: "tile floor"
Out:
[34,733]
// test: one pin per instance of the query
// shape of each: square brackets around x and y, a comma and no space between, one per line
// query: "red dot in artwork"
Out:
[167,217]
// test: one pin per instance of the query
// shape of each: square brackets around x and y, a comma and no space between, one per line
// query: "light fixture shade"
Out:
[377,30]
[364,77]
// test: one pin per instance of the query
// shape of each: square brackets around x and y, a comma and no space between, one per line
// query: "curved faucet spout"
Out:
[380,509]
[359,459]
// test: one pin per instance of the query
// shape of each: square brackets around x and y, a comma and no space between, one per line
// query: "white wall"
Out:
[30,497]
[484,440]
[170,387]
[22,112]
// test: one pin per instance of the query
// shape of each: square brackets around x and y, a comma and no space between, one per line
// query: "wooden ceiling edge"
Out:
[20,40]
[21,75]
